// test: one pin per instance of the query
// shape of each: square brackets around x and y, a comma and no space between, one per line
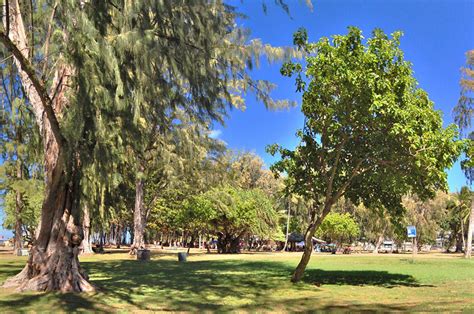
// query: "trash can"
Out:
[143,255]
[22,252]
[182,256]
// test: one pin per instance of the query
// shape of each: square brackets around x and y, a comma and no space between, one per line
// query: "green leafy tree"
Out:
[183,175]
[31,200]
[233,213]
[339,228]
[370,134]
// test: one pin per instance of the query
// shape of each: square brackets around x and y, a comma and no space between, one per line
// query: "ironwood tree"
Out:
[98,77]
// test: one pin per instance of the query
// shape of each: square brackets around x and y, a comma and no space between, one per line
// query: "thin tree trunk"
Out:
[470,229]
[86,227]
[190,244]
[378,244]
[131,235]
[308,242]
[287,225]
[138,221]
[18,241]
[308,250]
[53,263]
[118,236]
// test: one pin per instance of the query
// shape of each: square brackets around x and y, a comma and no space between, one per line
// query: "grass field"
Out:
[258,283]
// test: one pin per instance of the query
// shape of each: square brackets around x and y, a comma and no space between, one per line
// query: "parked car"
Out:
[387,247]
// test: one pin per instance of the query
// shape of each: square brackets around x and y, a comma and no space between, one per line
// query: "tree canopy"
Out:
[370,133]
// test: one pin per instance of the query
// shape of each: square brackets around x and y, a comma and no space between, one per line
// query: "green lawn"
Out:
[258,282]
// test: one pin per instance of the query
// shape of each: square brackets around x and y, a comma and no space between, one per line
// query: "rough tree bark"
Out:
[138,217]
[470,229]
[53,263]
[86,227]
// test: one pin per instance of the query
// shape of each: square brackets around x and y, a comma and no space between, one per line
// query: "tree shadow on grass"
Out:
[216,285]
[50,302]
[360,278]
[221,285]
[10,270]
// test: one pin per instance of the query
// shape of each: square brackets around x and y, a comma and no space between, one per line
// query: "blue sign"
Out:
[411,231]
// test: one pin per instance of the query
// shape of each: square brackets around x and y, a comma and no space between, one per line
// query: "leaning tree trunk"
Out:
[86,227]
[53,263]
[308,243]
[308,249]
[138,218]
[470,230]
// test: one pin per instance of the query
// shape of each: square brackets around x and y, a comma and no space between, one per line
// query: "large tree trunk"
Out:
[86,227]
[53,263]
[470,229]
[138,218]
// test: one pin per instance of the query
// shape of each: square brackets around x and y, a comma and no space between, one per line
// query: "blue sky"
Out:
[437,35]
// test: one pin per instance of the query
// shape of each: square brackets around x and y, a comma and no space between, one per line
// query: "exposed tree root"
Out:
[54,272]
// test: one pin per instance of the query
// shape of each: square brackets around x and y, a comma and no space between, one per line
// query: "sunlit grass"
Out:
[257,282]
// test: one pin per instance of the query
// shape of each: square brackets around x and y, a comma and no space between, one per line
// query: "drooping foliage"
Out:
[105,81]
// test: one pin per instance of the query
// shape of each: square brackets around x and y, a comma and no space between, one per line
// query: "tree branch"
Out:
[334,168]
[354,173]
[37,83]
[48,38]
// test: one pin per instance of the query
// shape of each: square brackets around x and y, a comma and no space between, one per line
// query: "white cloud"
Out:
[215,133]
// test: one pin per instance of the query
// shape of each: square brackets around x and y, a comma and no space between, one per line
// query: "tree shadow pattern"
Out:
[223,285]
